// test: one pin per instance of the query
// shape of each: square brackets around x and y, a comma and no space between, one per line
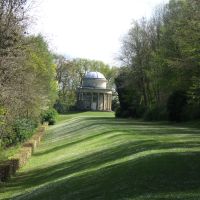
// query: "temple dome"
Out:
[94,80]
[96,75]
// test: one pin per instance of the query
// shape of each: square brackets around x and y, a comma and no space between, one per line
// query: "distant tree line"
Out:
[27,75]
[160,77]
[70,74]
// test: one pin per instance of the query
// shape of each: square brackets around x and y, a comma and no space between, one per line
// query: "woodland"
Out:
[160,74]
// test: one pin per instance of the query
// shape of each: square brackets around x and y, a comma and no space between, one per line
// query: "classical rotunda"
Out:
[94,94]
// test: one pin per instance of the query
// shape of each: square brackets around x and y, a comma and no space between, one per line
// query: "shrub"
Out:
[155,113]
[192,112]
[131,112]
[119,113]
[64,107]
[7,138]
[22,130]
[115,104]
[49,116]
[176,106]
[52,121]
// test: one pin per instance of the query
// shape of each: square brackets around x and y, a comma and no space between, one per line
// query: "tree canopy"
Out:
[162,55]
[27,72]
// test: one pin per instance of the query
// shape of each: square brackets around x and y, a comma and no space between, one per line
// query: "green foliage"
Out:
[119,113]
[176,106]
[131,104]
[40,62]
[2,114]
[32,91]
[22,129]
[49,116]
[194,91]
[162,55]
[115,103]
[64,107]
[156,114]
[193,112]
[27,73]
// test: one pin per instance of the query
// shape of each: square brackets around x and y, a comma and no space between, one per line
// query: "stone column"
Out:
[98,102]
[110,102]
[92,97]
[106,102]
[103,101]
[83,100]
[82,96]
[91,101]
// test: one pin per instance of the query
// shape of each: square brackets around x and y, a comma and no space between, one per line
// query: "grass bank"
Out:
[92,156]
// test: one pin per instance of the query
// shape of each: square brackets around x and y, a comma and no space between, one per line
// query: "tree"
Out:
[27,72]
[128,96]
[162,54]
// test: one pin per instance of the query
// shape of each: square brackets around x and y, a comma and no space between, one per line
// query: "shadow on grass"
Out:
[84,179]
[154,174]
[123,133]
[133,127]
[72,143]
[137,125]
[130,121]
[93,160]
[83,163]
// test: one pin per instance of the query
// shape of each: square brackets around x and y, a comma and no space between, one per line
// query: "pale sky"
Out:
[90,29]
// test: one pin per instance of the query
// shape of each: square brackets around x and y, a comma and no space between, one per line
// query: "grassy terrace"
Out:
[93,156]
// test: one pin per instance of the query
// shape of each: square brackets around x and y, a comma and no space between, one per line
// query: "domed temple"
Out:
[94,94]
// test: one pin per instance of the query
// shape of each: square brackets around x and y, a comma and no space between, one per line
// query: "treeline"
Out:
[70,74]
[27,75]
[160,77]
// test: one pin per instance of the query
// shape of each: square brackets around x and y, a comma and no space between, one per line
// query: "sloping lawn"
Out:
[93,156]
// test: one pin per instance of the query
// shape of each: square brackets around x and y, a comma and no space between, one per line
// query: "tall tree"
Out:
[163,53]
[27,72]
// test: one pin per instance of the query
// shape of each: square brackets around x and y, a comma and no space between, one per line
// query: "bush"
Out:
[8,137]
[176,106]
[22,130]
[131,112]
[52,121]
[115,104]
[49,116]
[64,107]
[155,113]
[120,113]
[192,112]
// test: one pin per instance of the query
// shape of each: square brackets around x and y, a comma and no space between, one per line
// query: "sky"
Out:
[90,29]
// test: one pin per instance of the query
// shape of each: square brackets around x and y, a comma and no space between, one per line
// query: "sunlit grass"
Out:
[92,155]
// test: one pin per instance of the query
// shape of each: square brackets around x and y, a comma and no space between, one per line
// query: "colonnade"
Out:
[96,100]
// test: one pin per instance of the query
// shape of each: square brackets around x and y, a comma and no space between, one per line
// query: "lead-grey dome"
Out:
[94,80]
[96,75]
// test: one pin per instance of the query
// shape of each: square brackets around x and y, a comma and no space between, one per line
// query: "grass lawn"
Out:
[93,156]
